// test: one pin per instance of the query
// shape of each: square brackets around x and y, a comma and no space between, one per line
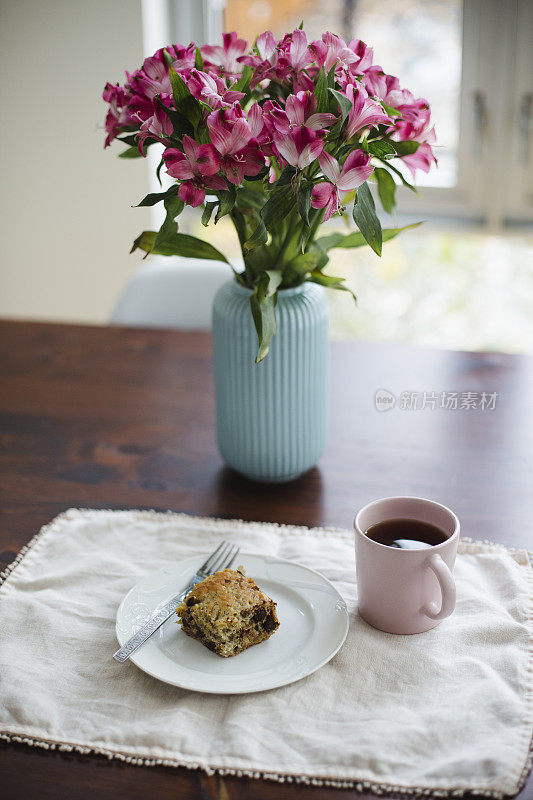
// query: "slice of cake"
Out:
[228,612]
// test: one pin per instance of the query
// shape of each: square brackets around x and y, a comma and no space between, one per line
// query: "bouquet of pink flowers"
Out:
[280,138]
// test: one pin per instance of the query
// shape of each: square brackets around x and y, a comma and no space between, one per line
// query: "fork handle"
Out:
[151,626]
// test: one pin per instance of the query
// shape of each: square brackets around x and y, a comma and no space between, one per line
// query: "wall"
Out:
[66,222]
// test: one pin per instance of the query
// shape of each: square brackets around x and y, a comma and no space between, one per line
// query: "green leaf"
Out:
[131,152]
[185,103]
[392,112]
[386,189]
[243,84]
[173,206]
[250,197]
[299,267]
[321,257]
[401,177]
[406,148]
[144,242]
[156,197]
[340,240]
[345,104]
[131,140]
[304,200]
[263,304]
[158,170]
[240,278]
[366,219]
[181,244]
[208,210]
[258,237]
[261,175]
[227,201]
[330,282]
[180,123]
[274,219]
[168,58]
[258,261]
[347,241]
[286,176]
[334,132]
[202,134]
[331,77]
[184,245]
[198,60]
[381,149]
[278,206]
[321,91]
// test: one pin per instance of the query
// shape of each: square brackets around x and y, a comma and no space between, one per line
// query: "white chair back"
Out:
[171,293]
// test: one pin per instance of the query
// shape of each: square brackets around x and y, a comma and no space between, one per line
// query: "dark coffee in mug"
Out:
[406,534]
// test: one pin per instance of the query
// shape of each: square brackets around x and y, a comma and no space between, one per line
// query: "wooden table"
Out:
[122,418]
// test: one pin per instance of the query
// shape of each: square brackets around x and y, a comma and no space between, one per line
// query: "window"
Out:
[471,59]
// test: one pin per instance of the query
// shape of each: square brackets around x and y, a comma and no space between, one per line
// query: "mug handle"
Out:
[447,587]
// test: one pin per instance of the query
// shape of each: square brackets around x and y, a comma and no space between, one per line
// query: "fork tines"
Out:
[222,558]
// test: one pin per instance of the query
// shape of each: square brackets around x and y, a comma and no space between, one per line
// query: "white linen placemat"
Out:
[445,712]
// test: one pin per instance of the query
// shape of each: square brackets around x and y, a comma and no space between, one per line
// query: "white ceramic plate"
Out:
[313,627]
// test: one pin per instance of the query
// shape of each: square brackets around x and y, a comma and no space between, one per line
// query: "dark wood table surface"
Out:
[105,417]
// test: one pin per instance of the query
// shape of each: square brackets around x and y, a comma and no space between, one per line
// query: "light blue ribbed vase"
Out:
[272,416]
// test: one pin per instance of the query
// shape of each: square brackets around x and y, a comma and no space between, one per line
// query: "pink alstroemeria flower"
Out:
[266,46]
[364,54]
[423,159]
[381,86]
[195,168]
[299,57]
[414,125]
[275,62]
[300,109]
[280,71]
[256,121]
[119,114]
[300,54]
[142,109]
[231,134]
[299,147]
[415,116]
[283,62]
[226,56]
[265,61]
[355,171]
[153,78]
[365,112]
[210,89]
[157,126]
[185,56]
[331,50]
[260,132]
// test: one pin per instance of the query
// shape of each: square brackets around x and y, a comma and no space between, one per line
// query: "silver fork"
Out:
[222,558]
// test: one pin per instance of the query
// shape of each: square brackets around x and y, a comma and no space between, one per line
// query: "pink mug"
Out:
[405,591]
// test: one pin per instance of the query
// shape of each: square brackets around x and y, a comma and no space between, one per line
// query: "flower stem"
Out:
[286,241]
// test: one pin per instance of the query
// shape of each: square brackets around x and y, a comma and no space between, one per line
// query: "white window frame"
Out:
[494,179]
[495,152]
